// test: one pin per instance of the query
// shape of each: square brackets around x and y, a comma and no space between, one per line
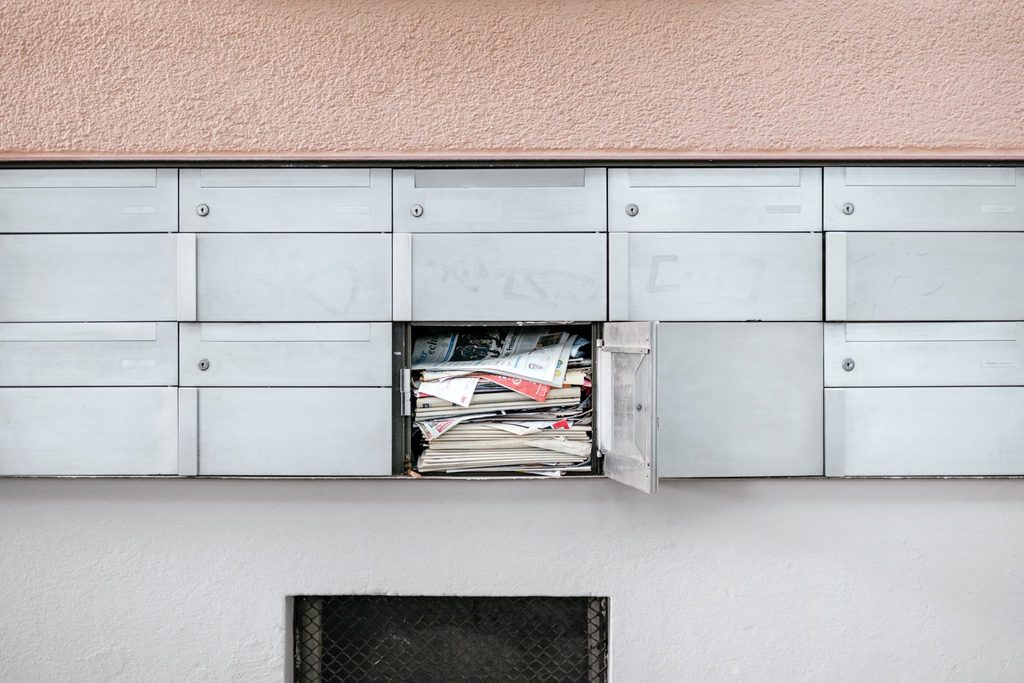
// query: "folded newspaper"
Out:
[532,354]
[503,400]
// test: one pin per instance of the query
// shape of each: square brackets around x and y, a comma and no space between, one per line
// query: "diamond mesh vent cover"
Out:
[432,638]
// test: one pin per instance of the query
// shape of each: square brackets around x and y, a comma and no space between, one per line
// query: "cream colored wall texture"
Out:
[530,78]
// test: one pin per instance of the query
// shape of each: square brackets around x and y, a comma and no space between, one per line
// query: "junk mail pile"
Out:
[502,400]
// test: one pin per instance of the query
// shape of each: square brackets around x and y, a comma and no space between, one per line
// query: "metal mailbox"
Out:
[924,399]
[705,277]
[287,431]
[88,431]
[924,354]
[286,199]
[88,354]
[480,277]
[739,399]
[89,200]
[95,278]
[905,276]
[714,199]
[500,200]
[924,431]
[930,198]
[285,354]
[284,277]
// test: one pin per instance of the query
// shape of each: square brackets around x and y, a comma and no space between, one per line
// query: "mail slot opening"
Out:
[506,399]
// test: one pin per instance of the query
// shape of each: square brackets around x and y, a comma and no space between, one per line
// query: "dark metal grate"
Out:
[428,638]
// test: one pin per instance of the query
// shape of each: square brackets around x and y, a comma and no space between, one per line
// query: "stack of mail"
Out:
[502,400]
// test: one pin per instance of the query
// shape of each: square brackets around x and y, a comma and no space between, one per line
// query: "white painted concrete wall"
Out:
[789,580]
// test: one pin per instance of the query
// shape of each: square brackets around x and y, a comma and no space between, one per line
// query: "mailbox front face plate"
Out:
[924,198]
[926,431]
[286,200]
[500,200]
[705,277]
[924,354]
[87,278]
[88,354]
[714,199]
[293,278]
[285,354]
[739,399]
[457,277]
[89,200]
[89,431]
[294,432]
[902,276]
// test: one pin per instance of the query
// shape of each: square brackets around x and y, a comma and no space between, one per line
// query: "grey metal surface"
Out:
[188,432]
[739,399]
[500,200]
[714,199]
[293,277]
[472,277]
[88,354]
[924,198]
[88,431]
[924,354]
[687,276]
[286,354]
[89,200]
[907,276]
[286,199]
[929,431]
[295,432]
[627,410]
[94,278]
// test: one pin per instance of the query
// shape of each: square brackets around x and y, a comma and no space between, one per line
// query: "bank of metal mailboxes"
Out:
[239,322]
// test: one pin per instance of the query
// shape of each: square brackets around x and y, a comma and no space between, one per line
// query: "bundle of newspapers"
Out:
[514,400]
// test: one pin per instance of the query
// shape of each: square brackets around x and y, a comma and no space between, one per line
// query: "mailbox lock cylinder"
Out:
[848,364]
[416,210]
[847,208]
[203,210]
[632,209]
[203,365]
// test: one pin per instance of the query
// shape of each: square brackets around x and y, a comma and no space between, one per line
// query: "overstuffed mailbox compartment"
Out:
[540,399]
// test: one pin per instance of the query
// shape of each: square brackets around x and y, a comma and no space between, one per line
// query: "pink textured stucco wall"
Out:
[380,78]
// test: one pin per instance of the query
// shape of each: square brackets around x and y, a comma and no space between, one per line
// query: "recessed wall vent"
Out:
[436,638]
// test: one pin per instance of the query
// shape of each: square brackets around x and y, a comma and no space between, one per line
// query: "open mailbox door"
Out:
[626,411]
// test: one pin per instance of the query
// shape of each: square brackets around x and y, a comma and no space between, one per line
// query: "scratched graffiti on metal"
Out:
[548,287]
[739,279]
